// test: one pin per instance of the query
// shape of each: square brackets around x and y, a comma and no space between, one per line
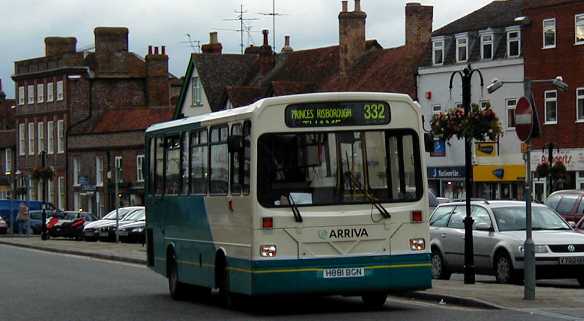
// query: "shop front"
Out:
[447,182]
[573,160]
[499,182]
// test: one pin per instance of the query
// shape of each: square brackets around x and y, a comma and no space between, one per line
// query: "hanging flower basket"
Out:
[481,124]
[44,173]
[542,170]
[558,170]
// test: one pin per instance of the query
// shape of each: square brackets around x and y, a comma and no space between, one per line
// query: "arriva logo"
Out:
[347,233]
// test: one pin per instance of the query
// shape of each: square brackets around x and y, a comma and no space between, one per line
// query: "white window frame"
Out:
[30,94]
[458,38]
[60,90]
[579,96]
[544,28]
[21,95]
[31,137]
[576,17]
[436,111]
[60,136]
[8,161]
[50,89]
[509,40]
[119,163]
[41,136]
[76,171]
[98,171]
[438,44]
[508,107]
[487,42]
[50,137]
[61,192]
[22,139]
[546,100]
[197,91]
[139,168]
[40,91]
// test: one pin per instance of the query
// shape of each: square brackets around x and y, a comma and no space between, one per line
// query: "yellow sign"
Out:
[498,173]
[486,149]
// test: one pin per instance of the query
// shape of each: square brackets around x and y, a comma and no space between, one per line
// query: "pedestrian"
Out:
[23,219]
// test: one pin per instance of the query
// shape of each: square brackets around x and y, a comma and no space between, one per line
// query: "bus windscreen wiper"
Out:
[375,202]
[295,210]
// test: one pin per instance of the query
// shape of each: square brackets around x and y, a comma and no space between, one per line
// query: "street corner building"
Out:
[85,111]
[7,144]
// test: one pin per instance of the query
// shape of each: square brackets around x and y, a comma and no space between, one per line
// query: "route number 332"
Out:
[374,111]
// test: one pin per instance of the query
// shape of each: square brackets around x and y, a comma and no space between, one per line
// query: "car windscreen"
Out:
[567,203]
[136,215]
[112,215]
[513,219]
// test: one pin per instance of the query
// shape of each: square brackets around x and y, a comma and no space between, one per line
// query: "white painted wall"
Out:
[436,80]
[187,108]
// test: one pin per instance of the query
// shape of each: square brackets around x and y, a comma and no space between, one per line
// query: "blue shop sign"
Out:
[445,172]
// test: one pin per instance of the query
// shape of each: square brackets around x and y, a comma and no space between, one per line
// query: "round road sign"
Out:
[523,119]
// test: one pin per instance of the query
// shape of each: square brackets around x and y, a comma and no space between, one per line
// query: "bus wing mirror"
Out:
[429,142]
[235,143]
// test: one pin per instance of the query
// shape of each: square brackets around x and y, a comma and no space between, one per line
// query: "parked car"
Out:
[36,219]
[569,203]
[69,224]
[91,230]
[107,231]
[134,232]
[3,226]
[580,226]
[498,238]
[442,200]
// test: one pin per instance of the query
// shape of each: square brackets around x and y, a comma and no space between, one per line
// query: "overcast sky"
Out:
[310,23]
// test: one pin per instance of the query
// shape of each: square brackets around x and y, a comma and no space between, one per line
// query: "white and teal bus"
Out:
[320,193]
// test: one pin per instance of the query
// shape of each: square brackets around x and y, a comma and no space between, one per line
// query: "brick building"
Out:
[554,46]
[65,95]
[7,144]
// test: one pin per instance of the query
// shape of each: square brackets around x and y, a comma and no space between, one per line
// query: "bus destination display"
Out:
[337,114]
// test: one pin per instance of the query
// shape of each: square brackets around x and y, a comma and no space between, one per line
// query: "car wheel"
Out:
[438,267]
[581,280]
[177,289]
[374,300]
[504,272]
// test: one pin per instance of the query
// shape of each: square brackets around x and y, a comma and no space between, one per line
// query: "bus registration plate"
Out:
[344,273]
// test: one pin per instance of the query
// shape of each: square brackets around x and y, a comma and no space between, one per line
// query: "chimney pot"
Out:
[345,4]
[213,38]
[149,50]
[156,51]
[266,33]
[287,40]
[357,5]
[163,50]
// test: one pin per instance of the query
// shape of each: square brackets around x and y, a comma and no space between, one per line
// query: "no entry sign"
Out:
[523,119]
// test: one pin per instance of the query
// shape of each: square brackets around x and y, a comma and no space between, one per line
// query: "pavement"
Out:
[485,293]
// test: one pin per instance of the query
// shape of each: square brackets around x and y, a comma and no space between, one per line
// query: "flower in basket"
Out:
[42,173]
[558,169]
[542,170]
[479,124]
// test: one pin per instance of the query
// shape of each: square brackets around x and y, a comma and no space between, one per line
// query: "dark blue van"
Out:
[9,208]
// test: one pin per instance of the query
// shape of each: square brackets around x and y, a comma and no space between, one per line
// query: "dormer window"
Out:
[513,42]
[461,48]
[438,51]
[487,46]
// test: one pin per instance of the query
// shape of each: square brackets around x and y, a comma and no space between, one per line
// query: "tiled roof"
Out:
[286,87]
[131,119]
[218,71]
[499,13]
[243,95]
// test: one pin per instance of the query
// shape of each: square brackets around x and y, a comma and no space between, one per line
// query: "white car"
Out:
[498,238]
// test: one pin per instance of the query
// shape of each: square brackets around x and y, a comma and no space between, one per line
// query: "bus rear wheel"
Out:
[177,289]
[374,300]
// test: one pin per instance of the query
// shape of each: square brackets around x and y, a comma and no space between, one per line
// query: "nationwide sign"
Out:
[338,114]
[445,172]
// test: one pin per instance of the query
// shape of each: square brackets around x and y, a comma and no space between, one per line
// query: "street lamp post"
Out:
[529,245]
[469,269]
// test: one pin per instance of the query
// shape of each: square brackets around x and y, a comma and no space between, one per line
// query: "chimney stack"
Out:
[418,24]
[157,84]
[287,49]
[267,58]
[214,46]
[111,49]
[56,46]
[345,5]
[351,36]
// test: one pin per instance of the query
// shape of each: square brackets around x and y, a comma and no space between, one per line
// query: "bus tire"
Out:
[374,300]
[178,290]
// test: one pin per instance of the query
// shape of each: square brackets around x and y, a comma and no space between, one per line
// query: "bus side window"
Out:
[219,182]
[159,166]
[236,162]
[199,162]
[185,162]
[246,155]
[172,173]
[151,166]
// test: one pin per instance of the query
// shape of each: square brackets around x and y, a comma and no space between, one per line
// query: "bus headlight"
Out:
[417,244]
[268,250]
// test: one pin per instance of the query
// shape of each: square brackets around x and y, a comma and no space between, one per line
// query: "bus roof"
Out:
[290,99]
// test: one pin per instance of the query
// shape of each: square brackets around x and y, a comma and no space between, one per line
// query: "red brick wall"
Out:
[566,60]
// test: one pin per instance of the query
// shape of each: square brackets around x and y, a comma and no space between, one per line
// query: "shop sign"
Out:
[445,172]
[573,158]
[439,149]
[486,149]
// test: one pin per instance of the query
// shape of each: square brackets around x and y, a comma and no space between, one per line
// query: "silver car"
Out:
[498,237]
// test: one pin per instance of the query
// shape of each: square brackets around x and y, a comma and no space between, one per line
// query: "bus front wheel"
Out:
[178,290]
[374,300]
